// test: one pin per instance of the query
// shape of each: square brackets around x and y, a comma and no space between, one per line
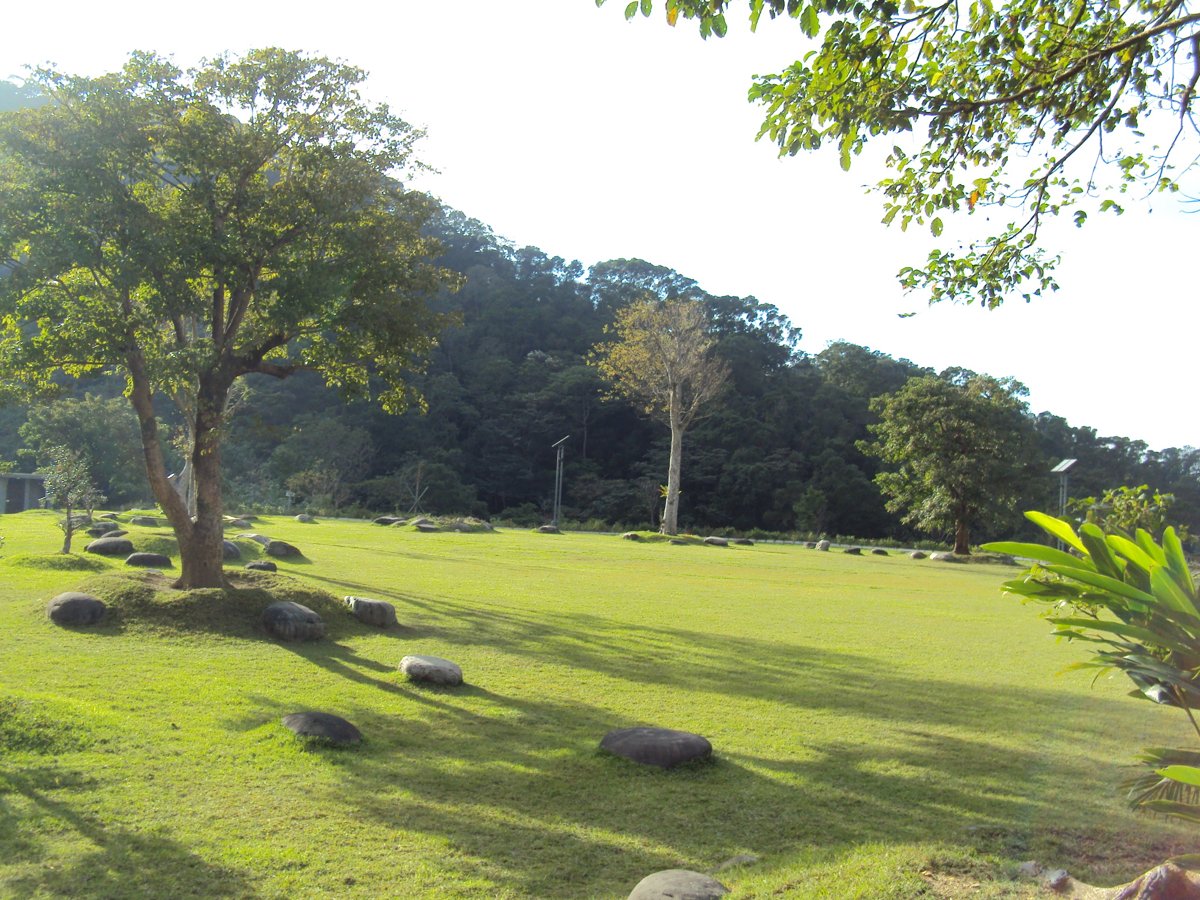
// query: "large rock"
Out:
[823,545]
[662,747]
[289,621]
[422,520]
[678,884]
[306,519]
[323,726]
[110,546]
[149,521]
[743,542]
[385,520]
[1167,882]
[231,522]
[944,557]
[281,549]
[257,538]
[917,554]
[230,550]
[878,551]
[853,551]
[631,536]
[548,529]
[431,669]
[99,529]
[714,541]
[426,527]
[75,608]
[372,612]
[262,565]
[152,560]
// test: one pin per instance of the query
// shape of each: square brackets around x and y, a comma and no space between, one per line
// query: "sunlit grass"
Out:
[873,718]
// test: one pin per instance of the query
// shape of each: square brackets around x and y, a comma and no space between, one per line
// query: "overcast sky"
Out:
[562,126]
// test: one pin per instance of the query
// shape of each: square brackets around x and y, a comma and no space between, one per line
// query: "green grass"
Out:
[883,727]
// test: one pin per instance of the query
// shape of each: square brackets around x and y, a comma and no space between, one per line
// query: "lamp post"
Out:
[1061,471]
[558,479]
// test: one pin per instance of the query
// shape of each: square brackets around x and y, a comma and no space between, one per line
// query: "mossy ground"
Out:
[884,727]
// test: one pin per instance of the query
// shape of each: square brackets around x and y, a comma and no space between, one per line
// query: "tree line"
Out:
[786,448]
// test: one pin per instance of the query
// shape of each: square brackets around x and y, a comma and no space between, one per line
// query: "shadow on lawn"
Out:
[516,784]
[119,863]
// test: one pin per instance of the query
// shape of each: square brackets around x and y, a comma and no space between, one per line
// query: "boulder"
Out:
[236,523]
[290,621]
[714,541]
[810,545]
[879,551]
[306,519]
[399,523]
[678,542]
[431,669]
[548,529]
[262,565]
[99,529]
[229,550]
[148,521]
[631,536]
[944,557]
[421,520]
[75,608]
[1166,882]
[372,612]
[281,549]
[822,545]
[109,516]
[662,747]
[678,884]
[153,560]
[744,542]
[426,527]
[853,551]
[257,538]
[120,532]
[323,726]
[385,520]
[917,554]
[110,546]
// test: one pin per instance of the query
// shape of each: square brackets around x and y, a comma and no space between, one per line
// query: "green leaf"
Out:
[1183,774]
[1167,590]
[1105,583]
[1056,528]
[1131,551]
[1133,632]
[1098,549]
[1186,811]
[647,7]
[720,28]
[1146,542]
[810,23]
[1039,552]
[936,227]
[631,9]
[1177,562]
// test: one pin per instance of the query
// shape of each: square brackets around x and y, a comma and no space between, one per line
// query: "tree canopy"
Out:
[191,228]
[1027,107]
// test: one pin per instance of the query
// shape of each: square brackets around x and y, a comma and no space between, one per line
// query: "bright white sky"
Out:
[563,126]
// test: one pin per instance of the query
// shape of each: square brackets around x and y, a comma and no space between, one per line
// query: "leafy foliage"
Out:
[69,484]
[1126,509]
[1023,106]
[960,444]
[1136,600]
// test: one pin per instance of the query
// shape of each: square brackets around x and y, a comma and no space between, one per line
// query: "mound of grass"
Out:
[28,726]
[57,562]
[656,537]
[145,601]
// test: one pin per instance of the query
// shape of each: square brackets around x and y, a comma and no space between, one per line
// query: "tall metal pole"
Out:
[558,479]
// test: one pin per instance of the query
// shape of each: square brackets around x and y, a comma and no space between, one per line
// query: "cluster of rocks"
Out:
[272,547]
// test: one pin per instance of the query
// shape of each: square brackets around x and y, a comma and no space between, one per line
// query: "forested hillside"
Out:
[779,451]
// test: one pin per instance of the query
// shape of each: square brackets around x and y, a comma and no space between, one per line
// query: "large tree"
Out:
[663,360]
[961,445]
[188,229]
[1030,107]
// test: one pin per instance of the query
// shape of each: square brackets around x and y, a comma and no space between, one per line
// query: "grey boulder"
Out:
[75,608]
[917,554]
[230,550]
[110,546]
[662,747]
[678,884]
[372,612]
[716,541]
[879,551]
[853,551]
[548,529]
[282,549]
[432,670]
[323,726]
[152,560]
[822,545]
[290,621]
[306,519]
[149,521]
[262,565]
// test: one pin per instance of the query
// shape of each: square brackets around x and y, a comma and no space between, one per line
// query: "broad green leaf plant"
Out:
[1136,601]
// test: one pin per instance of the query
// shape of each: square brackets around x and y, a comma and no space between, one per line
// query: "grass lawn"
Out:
[883,727]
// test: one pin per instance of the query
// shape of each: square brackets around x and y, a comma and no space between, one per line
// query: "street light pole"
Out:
[558,479]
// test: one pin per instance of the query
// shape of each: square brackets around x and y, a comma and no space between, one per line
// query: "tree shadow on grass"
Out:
[120,863]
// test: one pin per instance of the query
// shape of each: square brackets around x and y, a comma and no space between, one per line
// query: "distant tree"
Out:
[1020,106]
[69,485]
[103,430]
[663,360]
[189,229]
[961,446]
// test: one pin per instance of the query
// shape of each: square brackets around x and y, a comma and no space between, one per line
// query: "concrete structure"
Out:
[19,492]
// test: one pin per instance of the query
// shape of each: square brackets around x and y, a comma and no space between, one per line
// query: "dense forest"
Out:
[780,451]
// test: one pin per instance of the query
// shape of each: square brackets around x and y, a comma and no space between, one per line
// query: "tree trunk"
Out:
[202,552]
[68,530]
[670,520]
[961,534]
